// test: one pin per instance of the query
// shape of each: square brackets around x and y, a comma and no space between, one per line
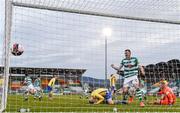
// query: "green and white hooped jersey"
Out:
[132,70]
[37,83]
[28,80]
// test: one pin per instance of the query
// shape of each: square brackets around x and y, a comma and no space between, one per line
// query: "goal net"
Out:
[70,46]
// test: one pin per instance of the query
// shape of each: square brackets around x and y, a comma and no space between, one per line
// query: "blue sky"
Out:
[64,40]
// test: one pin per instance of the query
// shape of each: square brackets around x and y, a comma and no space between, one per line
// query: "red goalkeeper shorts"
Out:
[166,102]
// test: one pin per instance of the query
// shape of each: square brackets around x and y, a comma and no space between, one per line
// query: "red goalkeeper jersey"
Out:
[169,96]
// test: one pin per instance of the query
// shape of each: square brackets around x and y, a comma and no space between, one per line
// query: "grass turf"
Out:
[72,103]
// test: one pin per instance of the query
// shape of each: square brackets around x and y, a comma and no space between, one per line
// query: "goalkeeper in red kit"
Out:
[167,95]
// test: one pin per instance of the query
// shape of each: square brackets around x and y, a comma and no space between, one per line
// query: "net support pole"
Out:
[7,37]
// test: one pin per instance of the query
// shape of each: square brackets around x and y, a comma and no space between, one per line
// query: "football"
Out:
[17,49]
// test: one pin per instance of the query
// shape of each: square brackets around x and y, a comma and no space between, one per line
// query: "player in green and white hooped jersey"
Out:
[30,88]
[37,86]
[131,67]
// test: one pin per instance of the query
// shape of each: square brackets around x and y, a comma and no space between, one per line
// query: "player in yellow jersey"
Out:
[50,86]
[103,95]
[99,95]
[112,80]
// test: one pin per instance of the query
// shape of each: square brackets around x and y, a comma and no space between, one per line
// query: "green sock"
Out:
[140,99]
[36,94]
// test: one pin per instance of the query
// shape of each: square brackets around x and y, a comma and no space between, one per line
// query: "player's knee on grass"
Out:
[110,101]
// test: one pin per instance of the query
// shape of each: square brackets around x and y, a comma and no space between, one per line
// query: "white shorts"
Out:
[38,88]
[86,91]
[30,87]
[131,81]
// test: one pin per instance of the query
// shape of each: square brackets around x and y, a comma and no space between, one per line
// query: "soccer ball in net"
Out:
[17,49]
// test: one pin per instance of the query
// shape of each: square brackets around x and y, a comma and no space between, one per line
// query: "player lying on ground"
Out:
[167,95]
[157,87]
[101,95]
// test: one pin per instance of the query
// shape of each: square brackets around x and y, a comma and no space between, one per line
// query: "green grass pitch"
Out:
[72,103]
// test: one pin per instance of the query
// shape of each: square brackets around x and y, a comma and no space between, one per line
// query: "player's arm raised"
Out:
[116,67]
[142,70]
[140,67]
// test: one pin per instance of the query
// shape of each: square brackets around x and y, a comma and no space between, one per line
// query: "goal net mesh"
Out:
[65,38]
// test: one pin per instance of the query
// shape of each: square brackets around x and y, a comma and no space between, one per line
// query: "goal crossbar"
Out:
[93,13]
